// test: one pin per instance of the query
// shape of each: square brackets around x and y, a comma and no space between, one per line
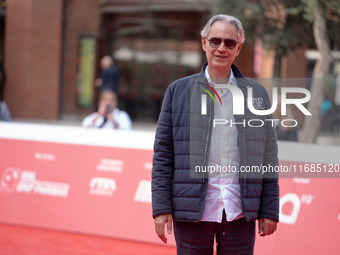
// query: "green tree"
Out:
[270,21]
[284,25]
[322,14]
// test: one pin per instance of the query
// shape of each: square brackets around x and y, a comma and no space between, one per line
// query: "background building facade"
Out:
[52,48]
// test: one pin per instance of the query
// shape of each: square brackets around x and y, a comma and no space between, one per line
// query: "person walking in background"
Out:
[109,76]
[202,208]
[108,115]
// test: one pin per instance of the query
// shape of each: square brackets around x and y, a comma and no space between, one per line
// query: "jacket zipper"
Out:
[207,140]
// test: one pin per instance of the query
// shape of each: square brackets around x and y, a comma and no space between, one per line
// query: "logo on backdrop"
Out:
[102,186]
[9,180]
[143,193]
[25,181]
[110,165]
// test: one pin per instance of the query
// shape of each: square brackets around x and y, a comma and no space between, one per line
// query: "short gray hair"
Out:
[226,18]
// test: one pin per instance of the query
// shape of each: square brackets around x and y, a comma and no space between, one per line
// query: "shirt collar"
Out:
[232,78]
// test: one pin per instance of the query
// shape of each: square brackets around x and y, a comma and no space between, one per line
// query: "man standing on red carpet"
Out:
[200,182]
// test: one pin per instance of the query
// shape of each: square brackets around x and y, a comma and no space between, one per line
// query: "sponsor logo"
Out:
[9,180]
[44,156]
[24,181]
[102,186]
[295,200]
[301,180]
[143,193]
[110,165]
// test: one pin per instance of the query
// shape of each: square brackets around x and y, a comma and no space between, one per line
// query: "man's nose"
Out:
[222,47]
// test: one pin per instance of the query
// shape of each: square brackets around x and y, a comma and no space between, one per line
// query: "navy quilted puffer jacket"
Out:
[183,139]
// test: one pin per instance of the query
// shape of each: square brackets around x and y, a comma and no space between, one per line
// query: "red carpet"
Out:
[15,240]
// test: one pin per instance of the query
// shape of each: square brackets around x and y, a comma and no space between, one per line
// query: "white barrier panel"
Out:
[98,182]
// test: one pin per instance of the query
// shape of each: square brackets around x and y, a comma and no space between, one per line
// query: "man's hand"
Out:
[160,221]
[266,226]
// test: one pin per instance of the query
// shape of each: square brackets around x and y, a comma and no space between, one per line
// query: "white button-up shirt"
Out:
[223,188]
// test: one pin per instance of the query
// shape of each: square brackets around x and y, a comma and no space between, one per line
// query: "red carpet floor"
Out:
[15,240]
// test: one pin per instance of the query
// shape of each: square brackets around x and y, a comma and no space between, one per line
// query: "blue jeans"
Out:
[232,238]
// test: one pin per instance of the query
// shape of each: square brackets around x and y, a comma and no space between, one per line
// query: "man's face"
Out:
[220,58]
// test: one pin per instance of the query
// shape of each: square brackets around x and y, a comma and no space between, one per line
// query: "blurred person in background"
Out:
[108,115]
[285,133]
[205,207]
[109,76]
[5,114]
[337,90]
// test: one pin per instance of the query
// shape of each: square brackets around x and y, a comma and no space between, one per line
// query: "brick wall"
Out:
[32,58]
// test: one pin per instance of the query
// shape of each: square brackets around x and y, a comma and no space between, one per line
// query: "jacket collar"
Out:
[241,81]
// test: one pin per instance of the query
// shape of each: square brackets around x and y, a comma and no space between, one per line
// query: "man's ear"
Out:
[239,47]
[204,43]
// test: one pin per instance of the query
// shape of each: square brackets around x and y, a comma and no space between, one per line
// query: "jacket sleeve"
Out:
[270,203]
[163,160]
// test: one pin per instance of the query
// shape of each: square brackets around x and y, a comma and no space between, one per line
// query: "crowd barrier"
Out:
[98,182]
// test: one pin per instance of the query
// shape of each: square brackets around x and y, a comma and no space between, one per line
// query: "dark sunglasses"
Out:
[215,42]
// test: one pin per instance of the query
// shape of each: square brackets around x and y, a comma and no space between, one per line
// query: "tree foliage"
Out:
[284,25]
[276,22]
